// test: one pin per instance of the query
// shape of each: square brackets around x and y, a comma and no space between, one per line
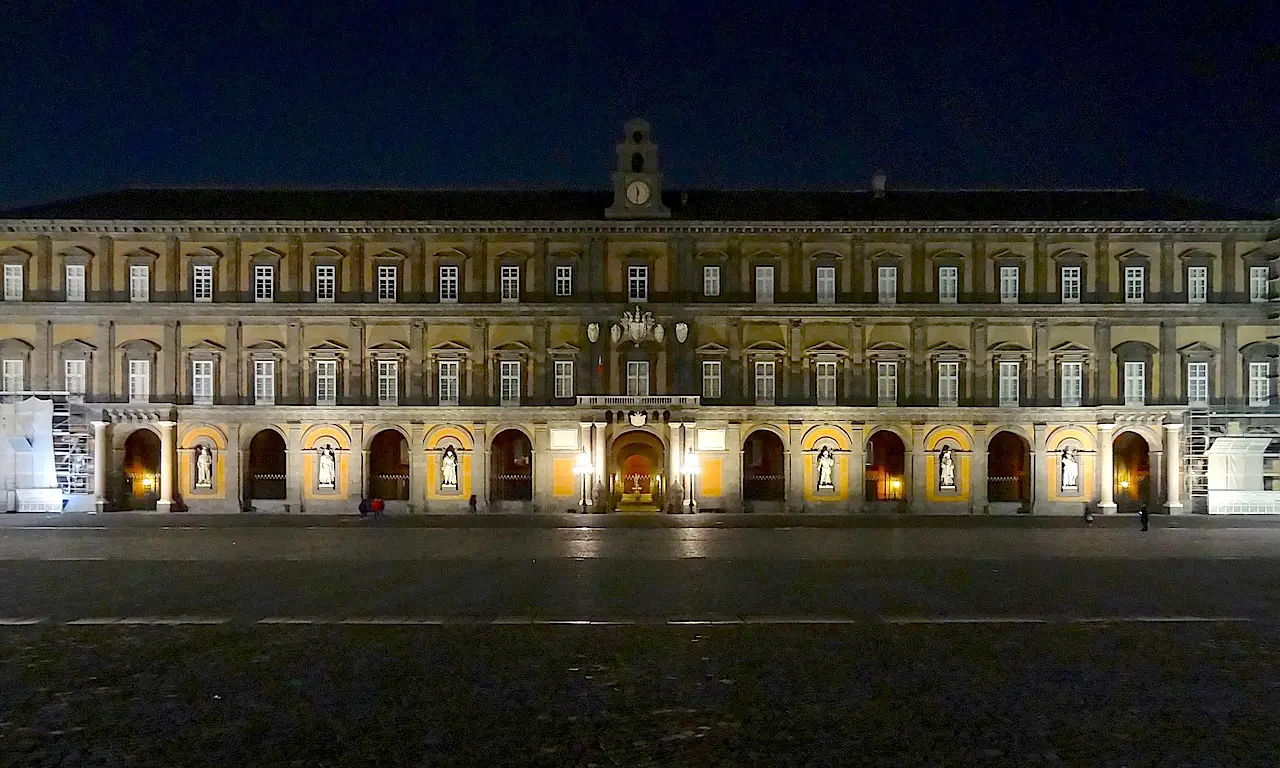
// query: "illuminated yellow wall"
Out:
[712,479]
[563,481]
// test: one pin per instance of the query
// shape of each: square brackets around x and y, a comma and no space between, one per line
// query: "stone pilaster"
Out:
[1169,378]
[919,498]
[232,364]
[978,469]
[1230,362]
[856,470]
[168,470]
[979,373]
[1102,392]
[795,468]
[1040,464]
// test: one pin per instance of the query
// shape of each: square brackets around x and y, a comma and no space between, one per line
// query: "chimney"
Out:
[878,182]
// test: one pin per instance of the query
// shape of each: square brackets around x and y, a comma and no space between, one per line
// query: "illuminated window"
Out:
[637,283]
[388,382]
[563,378]
[326,382]
[509,283]
[1135,383]
[948,285]
[1198,383]
[1009,287]
[887,383]
[764,284]
[1134,284]
[448,382]
[1071,387]
[202,382]
[711,379]
[1009,381]
[637,378]
[14,378]
[949,383]
[13,282]
[564,280]
[711,280]
[1258,277]
[448,283]
[75,376]
[75,282]
[388,279]
[1197,285]
[264,382]
[1259,384]
[139,282]
[1070,278]
[824,377]
[765,383]
[139,381]
[202,282]
[509,382]
[826,281]
[326,283]
[887,284]
[264,283]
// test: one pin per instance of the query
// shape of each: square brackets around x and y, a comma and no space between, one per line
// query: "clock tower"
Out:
[637,182]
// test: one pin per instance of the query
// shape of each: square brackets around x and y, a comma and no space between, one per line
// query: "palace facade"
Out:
[636,348]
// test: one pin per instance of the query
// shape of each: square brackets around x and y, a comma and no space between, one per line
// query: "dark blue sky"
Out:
[941,94]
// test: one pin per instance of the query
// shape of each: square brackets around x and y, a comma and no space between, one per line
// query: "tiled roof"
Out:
[209,204]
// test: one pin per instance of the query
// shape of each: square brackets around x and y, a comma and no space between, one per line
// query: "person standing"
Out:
[1143,516]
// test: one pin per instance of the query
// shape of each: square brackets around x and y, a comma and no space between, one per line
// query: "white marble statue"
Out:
[1070,469]
[204,466]
[826,462]
[327,477]
[946,469]
[449,469]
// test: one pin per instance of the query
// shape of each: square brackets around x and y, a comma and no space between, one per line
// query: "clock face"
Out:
[638,193]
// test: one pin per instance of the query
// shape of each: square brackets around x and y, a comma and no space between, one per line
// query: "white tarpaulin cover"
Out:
[1235,463]
[26,447]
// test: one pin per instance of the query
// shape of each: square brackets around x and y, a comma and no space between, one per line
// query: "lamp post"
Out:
[692,468]
[583,469]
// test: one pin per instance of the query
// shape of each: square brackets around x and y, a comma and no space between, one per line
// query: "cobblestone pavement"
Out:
[388,645]
[1100,695]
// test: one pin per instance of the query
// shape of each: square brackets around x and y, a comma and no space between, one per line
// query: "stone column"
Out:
[1040,462]
[1173,468]
[918,500]
[795,468]
[856,471]
[599,478]
[1106,469]
[167,468]
[978,469]
[101,458]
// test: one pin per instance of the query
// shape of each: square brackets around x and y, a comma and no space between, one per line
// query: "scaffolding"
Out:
[1202,426]
[72,441]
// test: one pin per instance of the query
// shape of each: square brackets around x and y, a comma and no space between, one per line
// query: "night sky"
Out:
[491,94]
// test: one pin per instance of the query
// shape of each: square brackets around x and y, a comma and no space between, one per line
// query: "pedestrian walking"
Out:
[471,504]
[1088,515]
[364,508]
[1143,516]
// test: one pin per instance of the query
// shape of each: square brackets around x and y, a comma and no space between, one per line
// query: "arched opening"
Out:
[267,466]
[141,488]
[886,467]
[637,162]
[511,467]
[639,481]
[1008,469]
[1132,472]
[764,473]
[389,466]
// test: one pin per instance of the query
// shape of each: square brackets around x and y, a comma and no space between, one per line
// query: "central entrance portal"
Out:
[638,480]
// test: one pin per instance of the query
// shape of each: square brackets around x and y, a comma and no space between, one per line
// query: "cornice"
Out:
[221,229]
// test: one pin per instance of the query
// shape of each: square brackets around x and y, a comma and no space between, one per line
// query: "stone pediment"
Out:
[1008,347]
[266,346]
[328,347]
[1007,253]
[1197,348]
[826,348]
[389,346]
[765,347]
[76,345]
[511,349]
[711,348]
[391,254]
[764,253]
[885,253]
[565,350]
[1132,253]
[887,346]
[447,347]
[948,350]
[205,345]
[1069,253]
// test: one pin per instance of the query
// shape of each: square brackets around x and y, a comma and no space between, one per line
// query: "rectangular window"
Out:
[264,382]
[202,382]
[824,379]
[1071,388]
[264,283]
[75,282]
[326,283]
[564,378]
[388,279]
[826,281]
[1197,285]
[711,280]
[764,284]
[948,285]
[887,284]
[1259,384]
[1009,380]
[949,383]
[1070,278]
[637,378]
[509,282]
[326,382]
[449,382]
[14,381]
[564,280]
[139,282]
[75,378]
[711,379]
[448,283]
[765,382]
[202,282]
[1134,284]
[13,282]
[139,381]
[1135,383]
[388,382]
[1258,277]
[887,383]
[509,381]
[637,283]
[1198,383]
[1009,284]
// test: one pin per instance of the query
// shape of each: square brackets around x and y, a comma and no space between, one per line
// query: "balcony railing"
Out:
[645,401]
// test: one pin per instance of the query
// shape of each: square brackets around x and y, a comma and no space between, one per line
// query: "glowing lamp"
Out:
[895,484]
[692,465]
[1124,484]
[148,481]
